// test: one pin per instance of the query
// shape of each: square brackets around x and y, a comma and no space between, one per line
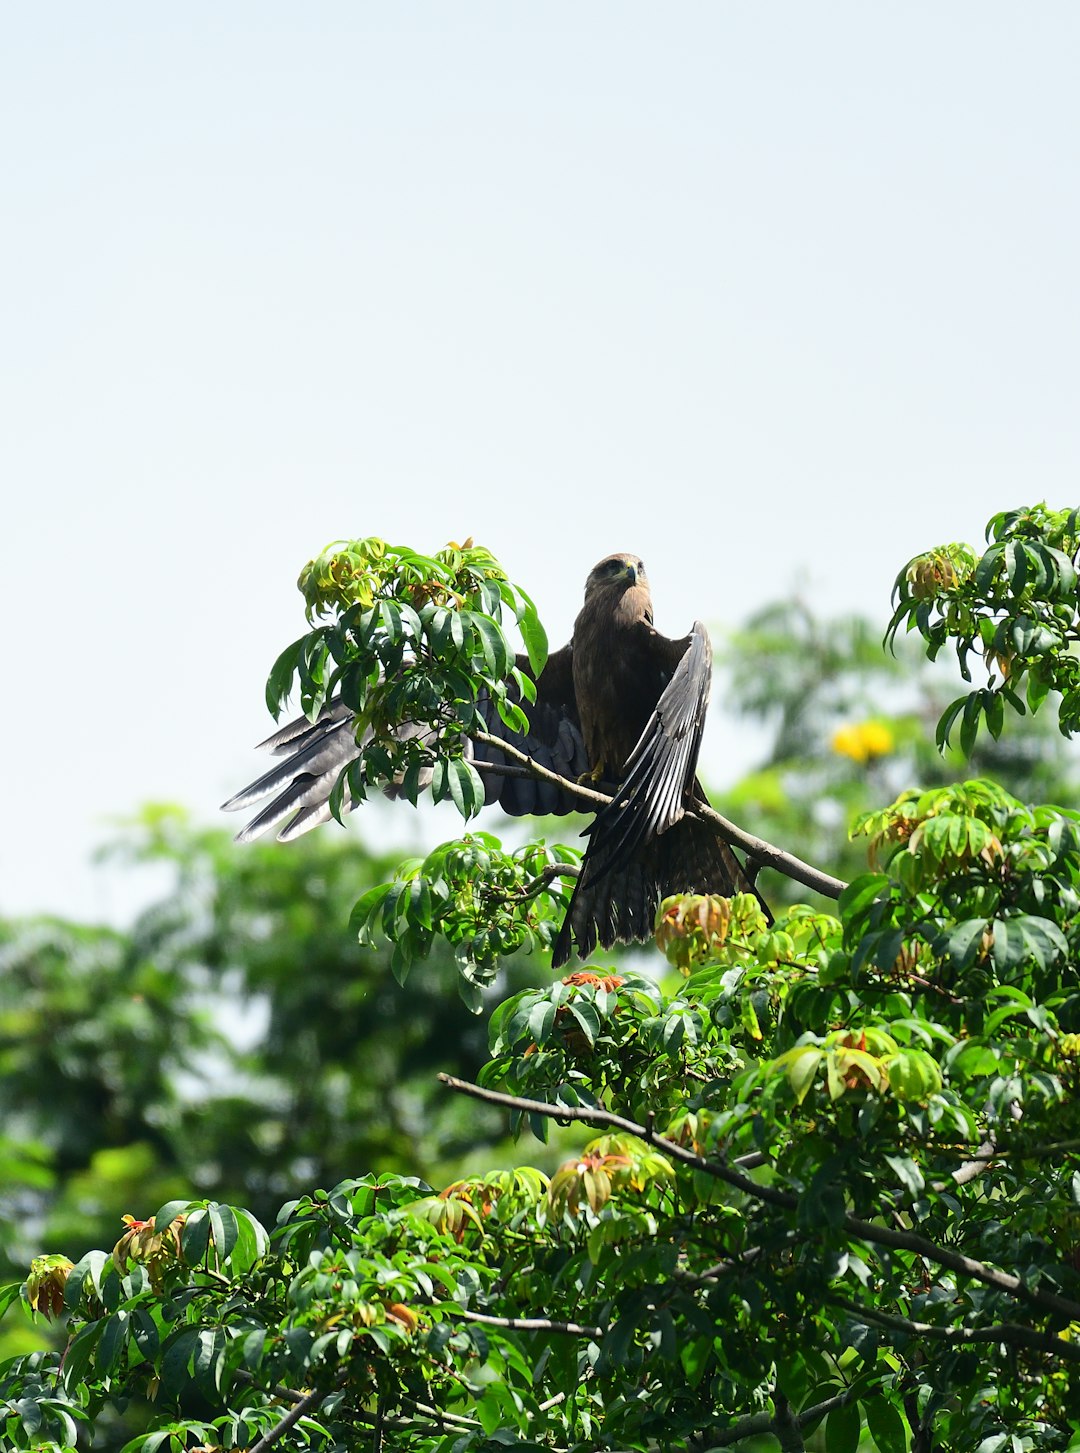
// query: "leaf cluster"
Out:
[1015,605]
[410,643]
[485,902]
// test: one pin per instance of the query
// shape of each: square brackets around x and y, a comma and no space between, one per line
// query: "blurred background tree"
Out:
[236,1042]
[846,725]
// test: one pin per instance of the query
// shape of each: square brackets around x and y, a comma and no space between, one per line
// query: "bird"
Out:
[621,707]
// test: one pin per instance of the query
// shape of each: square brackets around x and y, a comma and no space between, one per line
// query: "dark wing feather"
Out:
[553,741]
[660,770]
[315,754]
[619,906]
[642,846]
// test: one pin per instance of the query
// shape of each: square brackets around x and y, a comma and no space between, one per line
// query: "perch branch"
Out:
[767,854]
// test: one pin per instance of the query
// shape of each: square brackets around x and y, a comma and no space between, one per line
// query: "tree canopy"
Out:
[815,1181]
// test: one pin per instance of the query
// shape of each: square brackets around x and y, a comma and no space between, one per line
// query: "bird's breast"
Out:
[617,685]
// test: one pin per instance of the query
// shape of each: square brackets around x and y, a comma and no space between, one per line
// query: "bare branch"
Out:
[869,1231]
[533,769]
[757,848]
[307,1404]
[1013,1334]
[755,1424]
[770,856]
[525,1324]
[971,1168]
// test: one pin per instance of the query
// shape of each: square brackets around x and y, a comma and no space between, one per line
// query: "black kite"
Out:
[619,703]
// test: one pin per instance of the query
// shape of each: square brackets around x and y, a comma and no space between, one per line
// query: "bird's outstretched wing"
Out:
[642,847]
[660,770]
[315,754]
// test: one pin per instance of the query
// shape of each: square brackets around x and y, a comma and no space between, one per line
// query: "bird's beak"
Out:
[631,572]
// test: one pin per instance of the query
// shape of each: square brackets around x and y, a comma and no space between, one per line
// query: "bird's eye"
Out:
[641,566]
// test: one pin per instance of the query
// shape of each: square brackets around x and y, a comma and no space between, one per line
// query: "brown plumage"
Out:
[620,704]
[641,699]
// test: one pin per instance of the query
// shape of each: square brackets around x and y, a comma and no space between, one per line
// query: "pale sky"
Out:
[760,292]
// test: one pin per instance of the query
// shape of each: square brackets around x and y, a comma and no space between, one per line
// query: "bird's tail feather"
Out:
[619,906]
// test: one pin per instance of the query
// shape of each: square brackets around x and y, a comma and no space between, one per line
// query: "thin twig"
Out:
[442,1415]
[868,1231]
[719,1269]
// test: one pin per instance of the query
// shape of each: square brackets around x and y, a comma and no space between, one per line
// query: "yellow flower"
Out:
[863,741]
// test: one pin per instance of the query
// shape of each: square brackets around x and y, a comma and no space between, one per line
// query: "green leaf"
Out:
[888,1426]
[466,788]
[533,635]
[420,909]
[111,1344]
[1016,566]
[907,1173]
[994,712]
[365,910]
[541,1019]
[946,721]
[861,892]
[584,1011]
[166,1214]
[964,941]
[78,1354]
[494,645]
[8,1294]
[616,1344]
[195,1237]
[176,1359]
[969,726]
[280,681]
[224,1229]
[843,1427]
[401,959]
[802,1066]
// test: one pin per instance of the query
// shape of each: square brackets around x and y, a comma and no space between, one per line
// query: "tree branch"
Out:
[770,856]
[756,1424]
[767,854]
[534,769]
[868,1231]
[1014,1334]
[298,1410]
[786,1425]
[524,1324]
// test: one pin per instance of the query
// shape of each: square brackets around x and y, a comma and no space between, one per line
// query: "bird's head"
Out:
[616,574]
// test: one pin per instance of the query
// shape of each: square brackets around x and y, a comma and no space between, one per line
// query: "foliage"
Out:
[232,1044]
[846,725]
[1016,605]
[825,1185]
[483,901]
[412,640]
